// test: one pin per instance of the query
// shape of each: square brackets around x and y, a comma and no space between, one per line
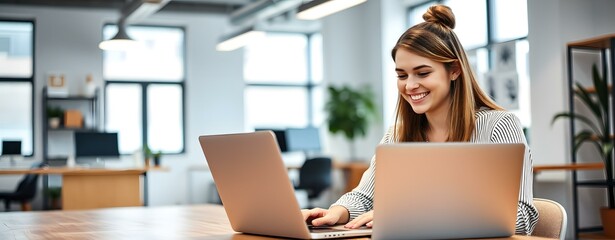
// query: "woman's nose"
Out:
[412,84]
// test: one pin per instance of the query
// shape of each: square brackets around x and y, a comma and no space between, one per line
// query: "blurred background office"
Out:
[178,81]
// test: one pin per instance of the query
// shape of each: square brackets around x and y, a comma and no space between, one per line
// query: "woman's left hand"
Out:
[366,219]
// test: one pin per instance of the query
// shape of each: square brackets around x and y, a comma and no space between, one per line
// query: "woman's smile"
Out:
[419,96]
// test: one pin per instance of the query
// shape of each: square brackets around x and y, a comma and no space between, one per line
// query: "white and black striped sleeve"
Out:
[361,198]
[508,129]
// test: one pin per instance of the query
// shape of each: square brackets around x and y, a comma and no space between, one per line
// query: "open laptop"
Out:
[446,190]
[255,189]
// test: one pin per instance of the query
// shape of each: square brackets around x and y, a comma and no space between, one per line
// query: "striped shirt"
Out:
[492,126]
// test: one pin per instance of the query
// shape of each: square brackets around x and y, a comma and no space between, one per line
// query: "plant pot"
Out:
[156,161]
[54,122]
[55,204]
[608,221]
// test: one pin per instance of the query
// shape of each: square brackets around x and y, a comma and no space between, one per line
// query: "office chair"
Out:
[25,192]
[315,176]
[552,220]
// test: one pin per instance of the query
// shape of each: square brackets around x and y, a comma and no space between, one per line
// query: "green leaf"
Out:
[350,111]
[580,138]
[607,148]
[586,99]
[585,120]
[603,95]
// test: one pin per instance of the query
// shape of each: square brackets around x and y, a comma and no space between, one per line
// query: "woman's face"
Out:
[422,82]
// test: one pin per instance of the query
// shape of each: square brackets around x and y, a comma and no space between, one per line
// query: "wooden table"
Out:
[175,222]
[88,188]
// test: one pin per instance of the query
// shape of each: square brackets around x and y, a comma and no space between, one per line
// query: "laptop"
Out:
[255,189]
[446,190]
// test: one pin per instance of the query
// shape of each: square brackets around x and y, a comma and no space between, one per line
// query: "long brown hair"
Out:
[435,39]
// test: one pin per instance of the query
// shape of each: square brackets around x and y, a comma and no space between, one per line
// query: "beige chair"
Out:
[552,220]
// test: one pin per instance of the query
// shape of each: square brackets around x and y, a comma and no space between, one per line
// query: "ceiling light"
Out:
[319,8]
[239,39]
[120,42]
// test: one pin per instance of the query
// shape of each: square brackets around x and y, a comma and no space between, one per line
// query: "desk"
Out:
[87,188]
[175,222]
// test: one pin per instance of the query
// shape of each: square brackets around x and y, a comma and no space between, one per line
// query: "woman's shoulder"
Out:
[491,114]
[491,124]
[489,118]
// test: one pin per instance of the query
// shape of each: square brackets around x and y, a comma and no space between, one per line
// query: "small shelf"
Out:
[88,106]
[603,46]
[569,167]
[599,42]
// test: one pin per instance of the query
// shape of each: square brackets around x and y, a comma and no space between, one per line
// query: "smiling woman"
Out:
[439,101]
[16,77]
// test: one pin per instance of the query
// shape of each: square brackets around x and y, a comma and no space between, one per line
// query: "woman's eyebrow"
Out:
[420,66]
[413,69]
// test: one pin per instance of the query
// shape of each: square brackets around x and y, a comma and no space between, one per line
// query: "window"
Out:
[16,83]
[144,92]
[283,73]
[494,33]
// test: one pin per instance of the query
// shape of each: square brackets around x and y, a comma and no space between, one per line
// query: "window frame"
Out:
[144,84]
[309,86]
[29,79]
[490,24]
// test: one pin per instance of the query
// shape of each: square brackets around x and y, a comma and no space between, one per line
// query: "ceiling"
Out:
[270,15]
[204,6]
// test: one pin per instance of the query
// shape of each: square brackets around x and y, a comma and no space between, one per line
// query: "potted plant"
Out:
[147,155]
[54,194]
[157,158]
[54,116]
[598,134]
[350,112]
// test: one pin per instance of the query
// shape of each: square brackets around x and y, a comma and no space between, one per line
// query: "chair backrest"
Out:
[28,185]
[552,220]
[315,175]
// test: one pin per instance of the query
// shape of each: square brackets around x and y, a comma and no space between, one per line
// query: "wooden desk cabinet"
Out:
[101,189]
[89,188]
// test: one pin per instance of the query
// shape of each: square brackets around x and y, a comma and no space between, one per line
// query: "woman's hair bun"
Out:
[440,14]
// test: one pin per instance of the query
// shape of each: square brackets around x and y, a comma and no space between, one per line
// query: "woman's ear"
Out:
[455,70]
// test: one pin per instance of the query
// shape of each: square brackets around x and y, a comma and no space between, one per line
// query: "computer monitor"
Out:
[280,136]
[303,139]
[10,147]
[96,144]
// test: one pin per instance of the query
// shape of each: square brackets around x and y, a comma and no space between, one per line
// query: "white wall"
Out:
[67,40]
[552,24]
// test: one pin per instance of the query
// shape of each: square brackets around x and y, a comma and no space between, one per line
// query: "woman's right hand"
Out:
[319,216]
